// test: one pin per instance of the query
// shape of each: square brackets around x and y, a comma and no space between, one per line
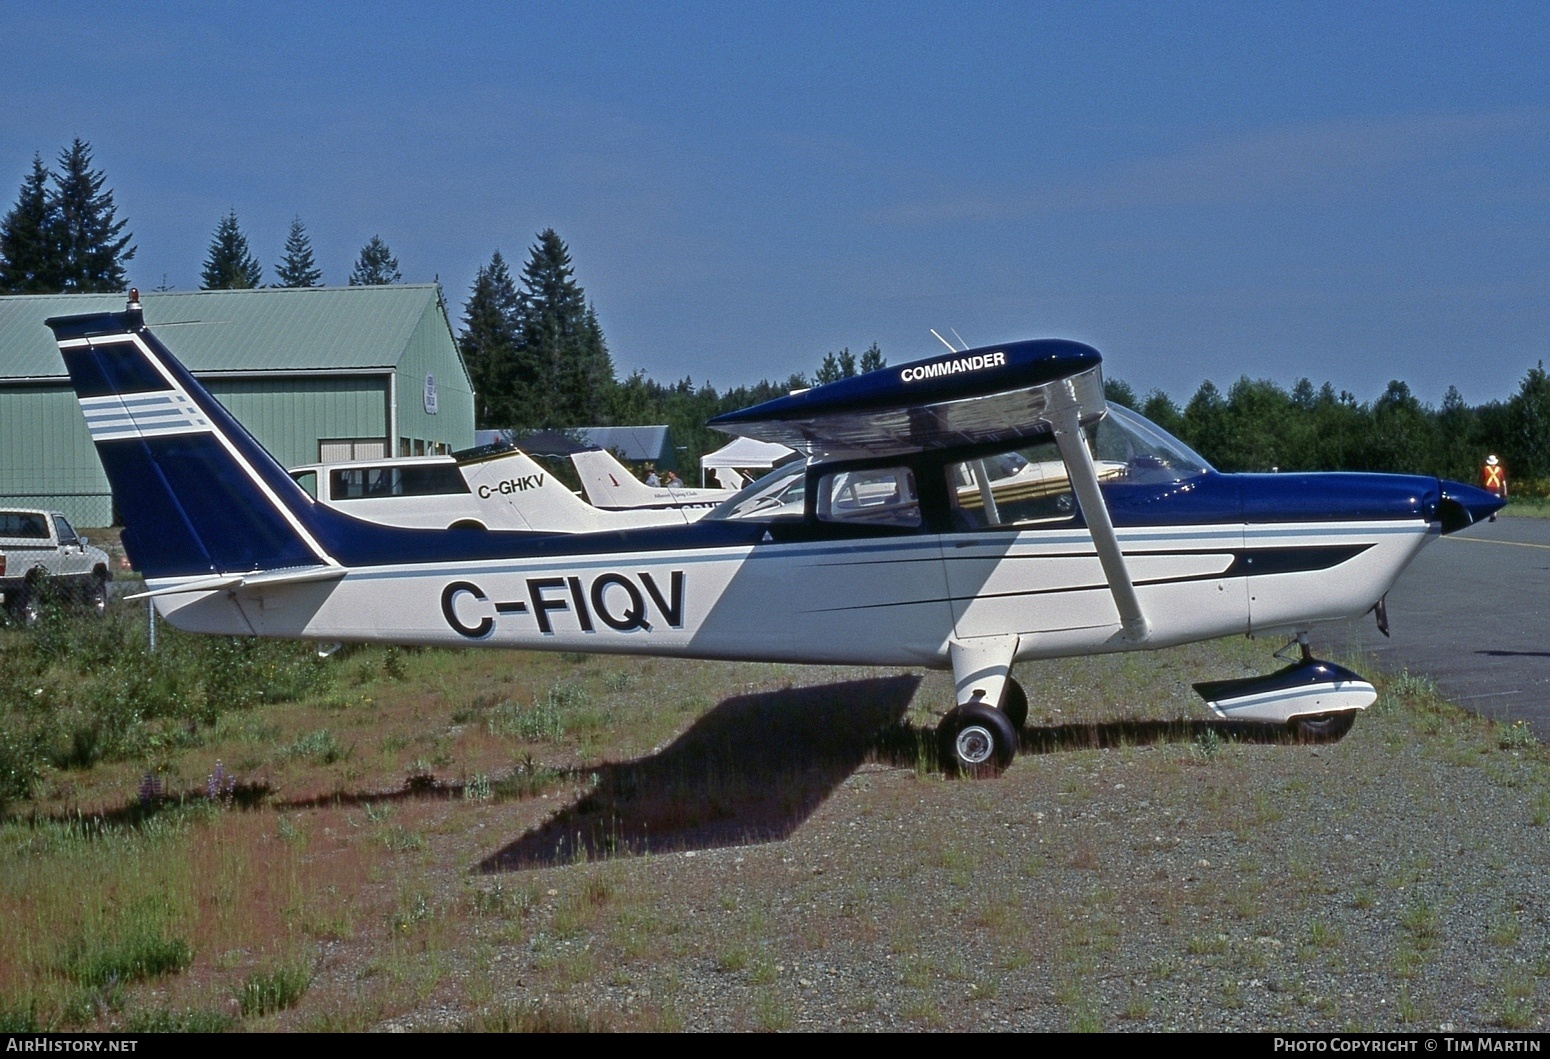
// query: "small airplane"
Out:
[970,512]
[495,487]
[610,486]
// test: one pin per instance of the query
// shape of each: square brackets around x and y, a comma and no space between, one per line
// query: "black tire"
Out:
[976,740]
[97,594]
[1014,703]
[1321,728]
[27,610]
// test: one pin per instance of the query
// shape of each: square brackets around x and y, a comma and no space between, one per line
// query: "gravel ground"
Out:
[1184,877]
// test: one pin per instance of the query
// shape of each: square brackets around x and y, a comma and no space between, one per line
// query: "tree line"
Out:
[1257,425]
[538,359]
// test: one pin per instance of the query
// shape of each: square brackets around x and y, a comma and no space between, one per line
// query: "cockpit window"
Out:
[1019,487]
[1148,452]
[1029,485]
[779,494]
[359,483]
[872,496]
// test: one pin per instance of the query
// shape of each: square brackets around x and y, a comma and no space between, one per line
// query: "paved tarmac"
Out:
[1472,613]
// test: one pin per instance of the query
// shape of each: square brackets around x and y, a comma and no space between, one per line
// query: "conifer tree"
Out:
[230,266]
[872,359]
[91,252]
[376,266]
[561,343]
[297,268]
[28,263]
[488,343]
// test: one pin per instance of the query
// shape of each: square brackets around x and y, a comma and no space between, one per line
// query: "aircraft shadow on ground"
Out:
[753,769]
[1515,654]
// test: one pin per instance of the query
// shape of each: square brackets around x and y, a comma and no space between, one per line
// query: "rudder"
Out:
[197,493]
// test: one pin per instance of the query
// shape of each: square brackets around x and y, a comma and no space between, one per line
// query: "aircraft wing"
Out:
[994,393]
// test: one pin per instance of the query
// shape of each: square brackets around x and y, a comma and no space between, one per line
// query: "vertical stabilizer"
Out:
[197,493]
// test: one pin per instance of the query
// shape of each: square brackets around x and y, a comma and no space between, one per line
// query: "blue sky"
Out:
[1352,192]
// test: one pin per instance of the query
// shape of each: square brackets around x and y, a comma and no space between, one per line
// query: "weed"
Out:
[1421,922]
[192,1020]
[616,681]
[541,722]
[771,1013]
[17,1020]
[1516,1013]
[537,1018]
[1208,744]
[265,992]
[416,910]
[400,839]
[732,960]
[1322,936]
[924,1010]
[526,779]
[321,746]
[1503,930]
[1516,736]
[1206,944]
[1407,1008]
[478,788]
[393,664]
[142,948]
[1086,1019]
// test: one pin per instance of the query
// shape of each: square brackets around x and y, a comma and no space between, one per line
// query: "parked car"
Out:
[42,555]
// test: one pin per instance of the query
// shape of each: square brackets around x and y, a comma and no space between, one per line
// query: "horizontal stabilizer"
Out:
[266,579]
[1299,690]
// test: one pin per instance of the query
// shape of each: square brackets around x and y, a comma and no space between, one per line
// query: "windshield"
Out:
[1147,451]
[779,494]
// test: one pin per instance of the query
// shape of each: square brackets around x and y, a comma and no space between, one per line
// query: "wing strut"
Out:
[1065,416]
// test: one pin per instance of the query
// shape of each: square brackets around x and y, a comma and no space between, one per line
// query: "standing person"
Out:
[651,476]
[1493,476]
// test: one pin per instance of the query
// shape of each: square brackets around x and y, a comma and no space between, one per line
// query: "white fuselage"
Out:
[882,601]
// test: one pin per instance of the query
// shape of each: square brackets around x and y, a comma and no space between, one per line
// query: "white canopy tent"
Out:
[742,454]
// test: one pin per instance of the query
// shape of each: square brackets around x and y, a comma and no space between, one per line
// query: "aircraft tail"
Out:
[198,495]
[608,483]
[529,496]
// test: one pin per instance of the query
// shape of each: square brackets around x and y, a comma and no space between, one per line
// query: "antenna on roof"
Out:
[959,337]
[942,340]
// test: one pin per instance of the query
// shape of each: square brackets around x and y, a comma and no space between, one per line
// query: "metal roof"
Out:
[273,329]
[637,444]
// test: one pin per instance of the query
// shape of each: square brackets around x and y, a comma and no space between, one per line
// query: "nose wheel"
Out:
[976,741]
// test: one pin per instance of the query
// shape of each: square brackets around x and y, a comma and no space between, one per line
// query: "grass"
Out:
[266,992]
[596,843]
[1527,507]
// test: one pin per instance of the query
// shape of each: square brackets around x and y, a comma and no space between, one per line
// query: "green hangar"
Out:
[320,374]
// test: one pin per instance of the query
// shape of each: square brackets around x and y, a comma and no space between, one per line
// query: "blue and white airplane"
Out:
[971,512]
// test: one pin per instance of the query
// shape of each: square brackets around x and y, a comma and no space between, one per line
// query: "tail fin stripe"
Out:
[113,418]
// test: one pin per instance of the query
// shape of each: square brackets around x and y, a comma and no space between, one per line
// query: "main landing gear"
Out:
[978,738]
